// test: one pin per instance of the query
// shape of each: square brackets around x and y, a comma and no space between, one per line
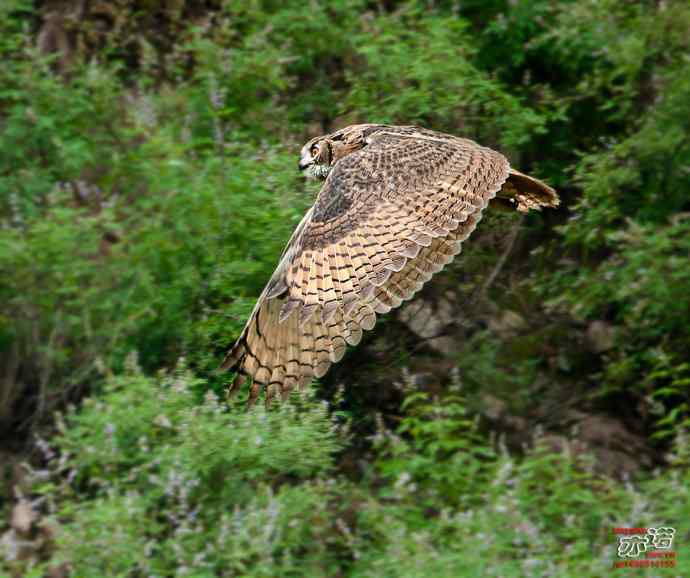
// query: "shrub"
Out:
[143,480]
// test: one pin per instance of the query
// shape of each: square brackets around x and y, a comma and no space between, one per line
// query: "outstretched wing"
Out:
[388,217]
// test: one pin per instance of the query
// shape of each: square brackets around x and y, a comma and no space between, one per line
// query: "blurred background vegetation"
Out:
[529,400]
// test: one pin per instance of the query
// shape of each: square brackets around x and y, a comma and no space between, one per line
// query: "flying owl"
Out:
[395,206]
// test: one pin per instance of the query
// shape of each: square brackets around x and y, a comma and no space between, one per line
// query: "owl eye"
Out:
[315,149]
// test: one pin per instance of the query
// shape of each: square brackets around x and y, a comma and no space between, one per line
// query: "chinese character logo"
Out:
[662,538]
[631,546]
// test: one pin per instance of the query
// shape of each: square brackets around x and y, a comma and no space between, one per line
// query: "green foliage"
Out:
[179,488]
[193,489]
[419,69]
[629,232]
[147,186]
[437,431]
[130,234]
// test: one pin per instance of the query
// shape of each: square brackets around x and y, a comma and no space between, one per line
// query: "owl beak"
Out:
[305,161]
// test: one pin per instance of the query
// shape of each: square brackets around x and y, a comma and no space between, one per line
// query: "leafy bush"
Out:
[628,232]
[419,70]
[191,489]
[145,238]
[177,488]
[147,185]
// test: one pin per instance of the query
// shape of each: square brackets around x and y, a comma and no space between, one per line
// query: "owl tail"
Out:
[525,192]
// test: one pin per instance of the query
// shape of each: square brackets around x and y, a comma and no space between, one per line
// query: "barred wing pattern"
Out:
[388,217]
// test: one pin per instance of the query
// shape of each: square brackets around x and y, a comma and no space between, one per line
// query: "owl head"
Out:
[320,154]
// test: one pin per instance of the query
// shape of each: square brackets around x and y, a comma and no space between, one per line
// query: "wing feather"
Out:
[388,217]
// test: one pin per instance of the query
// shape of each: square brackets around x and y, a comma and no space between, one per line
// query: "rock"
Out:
[493,407]
[502,421]
[429,322]
[507,324]
[609,433]
[600,336]
[617,452]
[23,516]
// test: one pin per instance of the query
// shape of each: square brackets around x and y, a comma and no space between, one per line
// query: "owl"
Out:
[396,204]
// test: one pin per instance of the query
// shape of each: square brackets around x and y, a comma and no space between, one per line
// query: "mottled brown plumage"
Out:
[396,205]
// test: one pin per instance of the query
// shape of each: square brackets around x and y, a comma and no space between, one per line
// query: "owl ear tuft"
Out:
[369,131]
